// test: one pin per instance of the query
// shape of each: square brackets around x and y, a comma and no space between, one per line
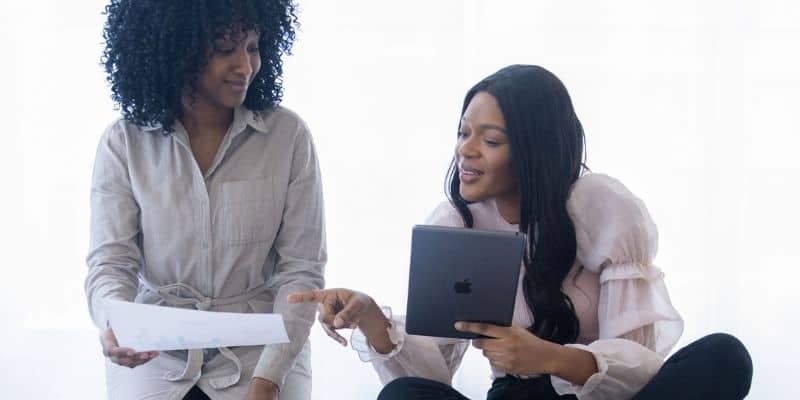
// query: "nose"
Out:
[242,64]
[467,147]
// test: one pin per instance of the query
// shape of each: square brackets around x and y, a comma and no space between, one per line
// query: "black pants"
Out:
[714,367]
[196,394]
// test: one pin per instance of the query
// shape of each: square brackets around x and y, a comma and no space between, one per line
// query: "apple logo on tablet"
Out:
[463,287]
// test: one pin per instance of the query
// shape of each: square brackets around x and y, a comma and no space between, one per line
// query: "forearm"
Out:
[107,283]
[276,360]
[573,365]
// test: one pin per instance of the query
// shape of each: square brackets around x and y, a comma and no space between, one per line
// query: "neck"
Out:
[200,118]
[508,206]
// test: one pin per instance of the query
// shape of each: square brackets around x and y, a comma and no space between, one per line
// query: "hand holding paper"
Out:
[123,355]
[145,327]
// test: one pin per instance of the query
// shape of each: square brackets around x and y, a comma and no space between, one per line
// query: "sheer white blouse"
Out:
[627,321]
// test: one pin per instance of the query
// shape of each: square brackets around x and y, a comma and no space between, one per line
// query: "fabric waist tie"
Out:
[194,360]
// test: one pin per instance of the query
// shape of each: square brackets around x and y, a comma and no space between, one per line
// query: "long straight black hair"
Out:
[547,155]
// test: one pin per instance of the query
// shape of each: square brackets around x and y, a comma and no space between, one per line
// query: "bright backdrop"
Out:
[692,104]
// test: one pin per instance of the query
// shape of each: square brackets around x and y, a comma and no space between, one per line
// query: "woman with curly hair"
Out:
[206,194]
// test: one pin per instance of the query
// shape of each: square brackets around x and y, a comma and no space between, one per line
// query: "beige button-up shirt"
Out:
[238,238]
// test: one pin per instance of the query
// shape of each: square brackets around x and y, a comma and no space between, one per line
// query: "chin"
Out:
[235,103]
[471,196]
[232,101]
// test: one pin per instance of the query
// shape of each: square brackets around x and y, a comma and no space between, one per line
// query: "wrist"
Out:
[264,384]
[374,326]
[558,360]
[373,318]
[573,365]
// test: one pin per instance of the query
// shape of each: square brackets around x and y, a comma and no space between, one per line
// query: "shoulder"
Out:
[120,127]
[445,214]
[279,120]
[596,184]
[119,133]
[611,223]
[600,198]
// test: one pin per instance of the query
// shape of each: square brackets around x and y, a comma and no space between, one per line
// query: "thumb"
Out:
[348,317]
[107,341]
[109,338]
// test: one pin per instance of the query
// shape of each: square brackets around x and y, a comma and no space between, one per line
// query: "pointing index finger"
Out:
[314,296]
[480,328]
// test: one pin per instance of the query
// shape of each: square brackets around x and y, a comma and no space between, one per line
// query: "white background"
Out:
[693,105]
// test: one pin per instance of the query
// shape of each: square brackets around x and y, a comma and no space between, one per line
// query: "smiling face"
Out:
[233,62]
[483,153]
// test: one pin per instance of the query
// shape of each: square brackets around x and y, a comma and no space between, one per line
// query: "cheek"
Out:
[209,76]
[503,171]
[205,82]
[510,180]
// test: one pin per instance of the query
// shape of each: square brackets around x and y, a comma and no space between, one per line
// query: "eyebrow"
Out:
[488,126]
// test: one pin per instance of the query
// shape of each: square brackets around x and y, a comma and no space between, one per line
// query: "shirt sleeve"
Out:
[419,356]
[413,355]
[638,325]
[301,251]
[114,254]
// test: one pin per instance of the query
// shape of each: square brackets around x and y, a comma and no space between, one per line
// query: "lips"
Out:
[237,84]
[469,174]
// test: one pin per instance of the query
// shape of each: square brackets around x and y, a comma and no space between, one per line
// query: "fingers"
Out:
[343,320]
[496,357]
[493,356]
[132,362]
[128,358]
[327,312]
[489,330]
[349,316]
[326,318]
[329,330]
[495,345]
[114,351]
[123,355]
[110,347]
[333,314]
[314,296]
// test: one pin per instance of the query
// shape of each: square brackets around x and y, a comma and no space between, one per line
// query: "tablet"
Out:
[460,274]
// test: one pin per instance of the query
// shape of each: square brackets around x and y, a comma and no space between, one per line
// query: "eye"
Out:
[492,143]
[224,50]
[461,134]
[253,49]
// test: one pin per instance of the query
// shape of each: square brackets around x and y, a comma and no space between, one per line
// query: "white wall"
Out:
[692,104]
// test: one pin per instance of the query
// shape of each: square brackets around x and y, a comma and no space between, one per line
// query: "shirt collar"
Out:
[242,117]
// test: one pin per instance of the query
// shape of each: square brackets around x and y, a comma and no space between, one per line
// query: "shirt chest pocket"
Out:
[247,213]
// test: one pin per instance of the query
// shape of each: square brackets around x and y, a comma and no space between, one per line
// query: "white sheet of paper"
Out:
[145,327]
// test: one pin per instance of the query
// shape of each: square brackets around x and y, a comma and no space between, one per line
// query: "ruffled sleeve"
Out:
[638,325]
[419,356]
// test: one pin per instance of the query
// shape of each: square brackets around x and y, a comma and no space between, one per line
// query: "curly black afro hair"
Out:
[157,48]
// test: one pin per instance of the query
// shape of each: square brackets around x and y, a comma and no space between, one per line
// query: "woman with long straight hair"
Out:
[592,317]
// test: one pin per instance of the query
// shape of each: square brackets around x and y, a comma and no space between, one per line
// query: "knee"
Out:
[728,350]
[731,358]
[398,389]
